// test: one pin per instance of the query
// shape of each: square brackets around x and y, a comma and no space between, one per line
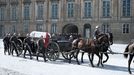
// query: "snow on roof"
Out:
[38,34]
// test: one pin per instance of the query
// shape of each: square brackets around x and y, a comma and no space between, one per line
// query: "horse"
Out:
[89,46]
[129,49]
[105,40]
[74,51]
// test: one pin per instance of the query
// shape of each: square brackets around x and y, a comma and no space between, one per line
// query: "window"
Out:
[106,8]
[40,11]
[13,28]
[26,11]
[54,10]
[70,8]
[126,7]
[53,28]
[26,27]
[2,13]
[87,30]
[105,28]
[14,12]
[39,27]
[87,9]
[125,28]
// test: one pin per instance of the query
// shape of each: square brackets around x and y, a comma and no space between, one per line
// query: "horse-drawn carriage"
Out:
[53,48]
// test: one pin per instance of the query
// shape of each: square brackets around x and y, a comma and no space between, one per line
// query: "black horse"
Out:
[105,40]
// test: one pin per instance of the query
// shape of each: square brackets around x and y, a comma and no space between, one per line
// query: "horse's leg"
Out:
[91,61]
[101,56]
[82,54]
[70,57]
[92,56]
[129,63]
[77,52]
[100,59]
[25,50]
[107,58]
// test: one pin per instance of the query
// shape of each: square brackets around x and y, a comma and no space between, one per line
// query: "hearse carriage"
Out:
[53,50]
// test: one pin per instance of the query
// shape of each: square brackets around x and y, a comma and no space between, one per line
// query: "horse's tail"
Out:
[126,50]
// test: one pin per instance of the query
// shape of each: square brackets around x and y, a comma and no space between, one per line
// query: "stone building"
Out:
[68,16]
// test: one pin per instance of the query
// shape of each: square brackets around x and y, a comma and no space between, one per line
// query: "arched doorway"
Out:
[87,31]
[70,28]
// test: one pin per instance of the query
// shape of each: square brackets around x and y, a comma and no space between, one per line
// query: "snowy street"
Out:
[12,65]
[4,71]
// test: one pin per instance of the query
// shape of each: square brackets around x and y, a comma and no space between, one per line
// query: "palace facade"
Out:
[68,16]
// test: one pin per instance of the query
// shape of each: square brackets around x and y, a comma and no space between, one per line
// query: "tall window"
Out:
[87,30]
[54,10]
[125,28]
[87,9]
[105,28]
[70,8]
[14,12]
[53,28]
[106,8]
[39,27]
[40,11]
[126,8]
[13,28]
[26,11]
[26,27]
[2,10]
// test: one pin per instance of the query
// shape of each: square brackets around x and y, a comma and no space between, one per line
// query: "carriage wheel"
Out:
[20,47]
[53,51]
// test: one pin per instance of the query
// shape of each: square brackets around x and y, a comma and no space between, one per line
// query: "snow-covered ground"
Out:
[116,65]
